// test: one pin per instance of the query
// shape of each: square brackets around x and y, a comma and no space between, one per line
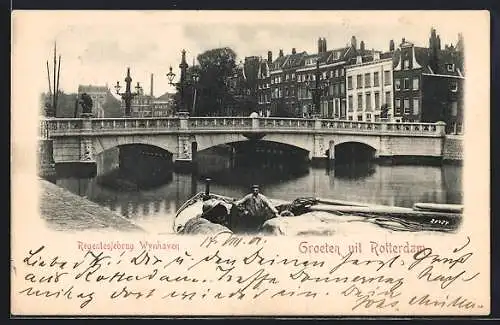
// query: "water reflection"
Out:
[154,207]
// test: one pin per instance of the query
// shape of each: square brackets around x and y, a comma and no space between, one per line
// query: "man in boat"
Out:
[257,207]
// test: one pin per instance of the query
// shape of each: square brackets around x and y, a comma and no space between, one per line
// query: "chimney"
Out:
[269,56]
[320,45]
[324,44]
[362,47]
[281,53]
[438,42]
[376,55]
[354,43]
[294,51]
[391,46]
[151,85]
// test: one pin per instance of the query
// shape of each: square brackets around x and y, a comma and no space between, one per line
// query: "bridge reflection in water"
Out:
[152,199]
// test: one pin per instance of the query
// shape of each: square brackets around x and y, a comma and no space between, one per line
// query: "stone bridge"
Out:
[80,140]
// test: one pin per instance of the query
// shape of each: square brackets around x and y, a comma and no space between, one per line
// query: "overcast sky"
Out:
[97,47]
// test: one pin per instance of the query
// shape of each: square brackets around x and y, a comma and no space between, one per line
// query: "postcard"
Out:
[250,163]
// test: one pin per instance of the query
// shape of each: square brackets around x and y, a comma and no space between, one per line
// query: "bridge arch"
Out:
[347,151]
[166,142]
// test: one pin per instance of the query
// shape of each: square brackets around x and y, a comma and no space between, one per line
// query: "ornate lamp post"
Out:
[196,78]
[128,94]
[317,90]
[182,83]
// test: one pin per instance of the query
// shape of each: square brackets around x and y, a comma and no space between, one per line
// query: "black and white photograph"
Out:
[269,128]
[276,126]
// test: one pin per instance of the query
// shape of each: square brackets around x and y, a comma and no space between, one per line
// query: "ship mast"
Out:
[53,95]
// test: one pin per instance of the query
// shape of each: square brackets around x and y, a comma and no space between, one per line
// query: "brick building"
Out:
[147,105]
[428,83]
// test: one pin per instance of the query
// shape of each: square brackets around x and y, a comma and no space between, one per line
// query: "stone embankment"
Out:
[453,148]
[63,210]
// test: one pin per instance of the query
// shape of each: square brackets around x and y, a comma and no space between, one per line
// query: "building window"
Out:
[368,117]
[349,99]
[350,118]
[377,100]
[368,101]
[406,83]
[360,118]
[415,83]
[454,109]
[450,67]
[360,102]
[342,88]
[416,106]
[397,84]
[349,82]
[342,72]
[367,80]
[388,99]
[293,76]
[406,103]
[453,86]
[336,73]
[406,64]
[375,79]
[336,90]
[397,105]
[387,78]
[359,81]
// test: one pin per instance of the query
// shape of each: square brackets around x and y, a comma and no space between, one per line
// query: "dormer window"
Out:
[450,67]
[406,64]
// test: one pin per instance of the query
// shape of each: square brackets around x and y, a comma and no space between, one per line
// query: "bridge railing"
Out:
[135,123]
[71,126]
[277,122]
[219,122]
[410,128]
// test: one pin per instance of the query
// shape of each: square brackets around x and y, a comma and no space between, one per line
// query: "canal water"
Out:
[152,205]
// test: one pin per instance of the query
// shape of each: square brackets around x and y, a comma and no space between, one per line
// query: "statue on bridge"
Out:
[86,103]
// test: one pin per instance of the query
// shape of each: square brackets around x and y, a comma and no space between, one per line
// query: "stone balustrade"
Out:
[51,127]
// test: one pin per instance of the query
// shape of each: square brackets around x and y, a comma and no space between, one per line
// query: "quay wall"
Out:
[65,211]
[453,148]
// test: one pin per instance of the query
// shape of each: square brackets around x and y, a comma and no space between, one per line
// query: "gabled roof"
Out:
[277,64]
[166,96]
[343,51]
[294,60]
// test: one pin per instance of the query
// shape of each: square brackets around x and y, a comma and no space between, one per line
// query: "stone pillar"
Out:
[331,151]
[255,123]
[319,148]
[183,120]
[46,164]
[441,128]
[86,147]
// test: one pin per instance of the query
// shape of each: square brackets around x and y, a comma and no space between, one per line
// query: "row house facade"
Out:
[428,83]
[284,83]
[370,88]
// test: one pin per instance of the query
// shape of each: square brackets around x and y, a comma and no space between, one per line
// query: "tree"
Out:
[215,67]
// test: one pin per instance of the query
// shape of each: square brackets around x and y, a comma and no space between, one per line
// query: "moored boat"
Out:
[211,213]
